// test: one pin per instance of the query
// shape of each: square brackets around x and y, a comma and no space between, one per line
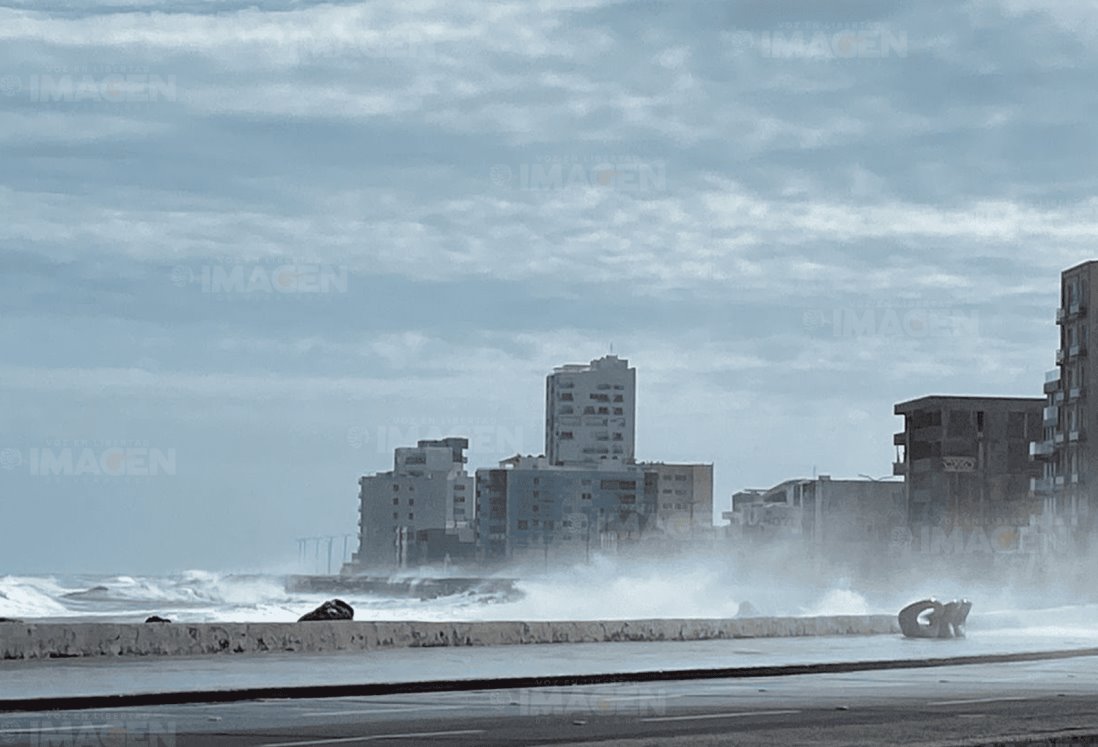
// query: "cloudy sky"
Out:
[259,244]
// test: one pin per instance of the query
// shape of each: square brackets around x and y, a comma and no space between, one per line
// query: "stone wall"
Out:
[53,640]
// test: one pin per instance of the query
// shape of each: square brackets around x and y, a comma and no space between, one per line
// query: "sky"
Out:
[247,249]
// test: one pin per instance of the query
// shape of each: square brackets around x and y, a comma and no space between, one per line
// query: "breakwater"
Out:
[62,640]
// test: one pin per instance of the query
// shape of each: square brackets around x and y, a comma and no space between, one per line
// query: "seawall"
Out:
[62,640]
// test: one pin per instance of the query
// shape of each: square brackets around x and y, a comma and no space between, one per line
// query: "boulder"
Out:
[746,609]
[157,619]
[333,609]
[9,620]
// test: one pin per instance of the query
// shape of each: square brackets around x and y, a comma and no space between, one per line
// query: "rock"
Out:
[9,620]
[157,619]
[747,609]
[333,609]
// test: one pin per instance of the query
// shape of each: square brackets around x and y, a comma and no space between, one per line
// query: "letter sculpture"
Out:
[943,621]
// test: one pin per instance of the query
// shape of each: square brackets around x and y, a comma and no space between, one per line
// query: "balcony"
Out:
[1041,449]
[1051,415]
[1076,392]
[1052,380]
[899,439]
[899,468]
[1078,308]
[1061,315]
[1077,435]
[1077,349]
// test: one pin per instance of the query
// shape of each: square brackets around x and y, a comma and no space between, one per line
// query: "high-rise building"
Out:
[1065,451]
[590,413]
[965,463]
[420,511]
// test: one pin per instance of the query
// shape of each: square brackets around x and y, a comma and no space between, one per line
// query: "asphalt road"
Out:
[978,704]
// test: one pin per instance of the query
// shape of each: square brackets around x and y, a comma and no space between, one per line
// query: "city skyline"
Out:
[252,248]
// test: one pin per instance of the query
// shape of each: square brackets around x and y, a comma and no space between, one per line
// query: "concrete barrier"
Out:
[60,640]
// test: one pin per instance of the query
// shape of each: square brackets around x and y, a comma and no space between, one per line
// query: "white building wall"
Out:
[590,413]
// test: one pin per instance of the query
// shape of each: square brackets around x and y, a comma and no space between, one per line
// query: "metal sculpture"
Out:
[941,620]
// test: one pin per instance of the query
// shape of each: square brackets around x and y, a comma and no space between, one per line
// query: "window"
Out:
[395,516]
[396,501]
[566,397]
[522,524]
[565,435]
[411,501]
[459,499]
[411,517]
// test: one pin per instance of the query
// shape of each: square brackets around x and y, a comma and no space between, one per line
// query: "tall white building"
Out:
[590,413]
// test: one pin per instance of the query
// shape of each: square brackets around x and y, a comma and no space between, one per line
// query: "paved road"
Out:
[922,706]
[115,675]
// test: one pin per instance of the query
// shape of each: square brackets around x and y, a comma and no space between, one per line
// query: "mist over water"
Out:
[1022,596]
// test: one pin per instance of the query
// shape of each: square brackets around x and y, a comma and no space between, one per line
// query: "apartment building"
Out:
[1064,452]
[529,509]
[420,511]
[684,503]
[590,413]
[965,463]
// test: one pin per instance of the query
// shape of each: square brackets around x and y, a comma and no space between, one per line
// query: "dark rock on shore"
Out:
[9,620]
[157,619]
[333,609]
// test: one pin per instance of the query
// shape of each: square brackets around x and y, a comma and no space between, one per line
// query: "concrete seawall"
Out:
[58,640]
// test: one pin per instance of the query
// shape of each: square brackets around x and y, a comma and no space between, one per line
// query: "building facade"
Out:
[421,511]
[1064,452]
[684,497]
[531,510]
[853,520]
[967,472]
[590,413]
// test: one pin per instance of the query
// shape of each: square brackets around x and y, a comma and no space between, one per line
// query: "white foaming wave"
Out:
[838,602]
[30,596]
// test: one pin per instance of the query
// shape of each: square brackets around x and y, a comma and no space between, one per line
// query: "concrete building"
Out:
[836,519]
[590,413]
[421,511]
[684,502]
[1064,452]
[965,463]
[531,510]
